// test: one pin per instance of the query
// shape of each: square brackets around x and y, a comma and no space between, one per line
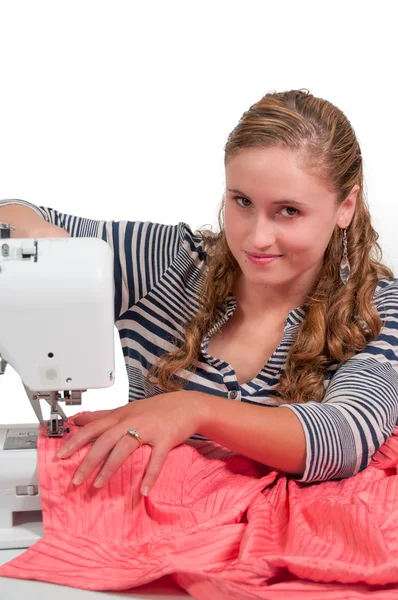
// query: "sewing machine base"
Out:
[20,504]
[26,530]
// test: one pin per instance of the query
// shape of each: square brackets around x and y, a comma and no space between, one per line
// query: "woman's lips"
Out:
[262,260]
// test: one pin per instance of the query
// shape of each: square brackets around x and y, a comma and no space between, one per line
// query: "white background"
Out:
[120,109]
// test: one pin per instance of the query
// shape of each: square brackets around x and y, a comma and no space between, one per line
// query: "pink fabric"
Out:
[225,527]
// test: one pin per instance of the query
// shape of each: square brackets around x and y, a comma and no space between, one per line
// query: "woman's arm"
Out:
[142,251]
[273,436]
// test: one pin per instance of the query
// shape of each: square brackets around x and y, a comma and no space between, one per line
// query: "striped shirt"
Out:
[158,272]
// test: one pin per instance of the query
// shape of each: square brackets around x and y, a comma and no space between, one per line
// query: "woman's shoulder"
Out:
[195,241]
[385,299]
[386,289]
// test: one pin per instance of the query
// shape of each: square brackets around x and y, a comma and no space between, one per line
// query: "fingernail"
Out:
[77,479]
[145,491]
[61,453]
[99,482]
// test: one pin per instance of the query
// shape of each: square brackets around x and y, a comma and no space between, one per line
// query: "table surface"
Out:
[162,589]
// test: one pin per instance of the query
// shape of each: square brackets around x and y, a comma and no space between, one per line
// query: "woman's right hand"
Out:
[46,230]
[27,223]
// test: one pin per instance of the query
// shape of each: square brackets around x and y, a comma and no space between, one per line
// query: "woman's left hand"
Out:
[162,421]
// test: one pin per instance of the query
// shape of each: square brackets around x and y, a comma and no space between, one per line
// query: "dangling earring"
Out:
[345,265]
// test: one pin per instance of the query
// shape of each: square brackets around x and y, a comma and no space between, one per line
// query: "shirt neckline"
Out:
[223,314]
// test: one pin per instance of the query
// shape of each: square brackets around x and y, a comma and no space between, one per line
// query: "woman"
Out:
[287,310]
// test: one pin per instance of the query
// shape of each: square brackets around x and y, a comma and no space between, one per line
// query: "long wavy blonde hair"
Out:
[340,319]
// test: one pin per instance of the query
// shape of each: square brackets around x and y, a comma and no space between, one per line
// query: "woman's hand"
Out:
[163,422]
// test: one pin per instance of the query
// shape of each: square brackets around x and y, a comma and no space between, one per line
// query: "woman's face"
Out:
[274,207]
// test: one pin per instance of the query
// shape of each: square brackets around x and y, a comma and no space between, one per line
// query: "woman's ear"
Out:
[347,208]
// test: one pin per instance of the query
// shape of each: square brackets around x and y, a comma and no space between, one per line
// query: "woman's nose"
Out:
[262,234]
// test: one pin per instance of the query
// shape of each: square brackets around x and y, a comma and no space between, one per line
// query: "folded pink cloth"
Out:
[224,526]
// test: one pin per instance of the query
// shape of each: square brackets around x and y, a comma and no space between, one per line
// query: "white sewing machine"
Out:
[57,332]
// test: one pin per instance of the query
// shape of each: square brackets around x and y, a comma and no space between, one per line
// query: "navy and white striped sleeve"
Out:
[360,406]
[142,251]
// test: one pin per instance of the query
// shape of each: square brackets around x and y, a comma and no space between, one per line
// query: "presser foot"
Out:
[56,423]
[56,426]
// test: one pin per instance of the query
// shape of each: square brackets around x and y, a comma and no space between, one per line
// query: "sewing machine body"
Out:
[57,333]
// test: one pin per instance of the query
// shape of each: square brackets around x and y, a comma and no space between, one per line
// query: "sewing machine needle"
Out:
[58,409]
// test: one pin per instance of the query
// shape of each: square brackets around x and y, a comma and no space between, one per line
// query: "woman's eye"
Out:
[291,208]
[244,200]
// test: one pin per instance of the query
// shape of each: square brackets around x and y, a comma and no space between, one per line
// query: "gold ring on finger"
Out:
[136,435]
